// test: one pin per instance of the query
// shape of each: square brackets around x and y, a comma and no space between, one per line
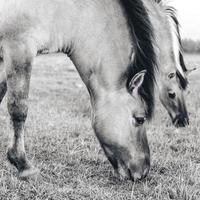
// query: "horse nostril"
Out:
[139,172]
[137,176]
[134,175]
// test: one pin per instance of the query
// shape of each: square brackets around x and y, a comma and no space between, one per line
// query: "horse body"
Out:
[38,21]
[110,43]
[47,29]
[99,38]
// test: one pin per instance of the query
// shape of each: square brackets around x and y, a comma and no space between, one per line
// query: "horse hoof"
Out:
[29,173]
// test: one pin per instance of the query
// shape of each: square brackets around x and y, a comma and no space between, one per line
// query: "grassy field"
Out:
[61,143]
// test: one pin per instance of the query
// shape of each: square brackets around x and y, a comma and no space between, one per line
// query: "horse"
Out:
[111,44]
[172,76]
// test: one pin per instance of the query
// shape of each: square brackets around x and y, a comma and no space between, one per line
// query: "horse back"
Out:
[46,22]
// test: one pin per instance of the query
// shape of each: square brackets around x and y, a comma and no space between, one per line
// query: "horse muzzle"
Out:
[133,172]
[181,121]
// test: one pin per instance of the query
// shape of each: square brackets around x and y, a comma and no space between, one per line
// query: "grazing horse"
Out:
[172,74]
[111,44]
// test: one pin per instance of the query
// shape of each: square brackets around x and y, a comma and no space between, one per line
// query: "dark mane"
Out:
[158,1]
[171,11]
[183,80]
[145,57]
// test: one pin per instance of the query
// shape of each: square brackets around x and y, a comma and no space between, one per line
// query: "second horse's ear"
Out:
[189,71]
[137,81]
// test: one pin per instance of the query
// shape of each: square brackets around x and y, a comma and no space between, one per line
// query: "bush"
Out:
[191,46]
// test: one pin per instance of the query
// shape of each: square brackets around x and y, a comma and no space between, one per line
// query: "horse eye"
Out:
[172,95]
[139,120]
[171,75]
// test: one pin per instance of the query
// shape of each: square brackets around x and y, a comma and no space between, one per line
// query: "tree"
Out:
[191,46]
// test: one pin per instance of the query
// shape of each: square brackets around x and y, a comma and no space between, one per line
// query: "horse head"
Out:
[172,97]
[119,123]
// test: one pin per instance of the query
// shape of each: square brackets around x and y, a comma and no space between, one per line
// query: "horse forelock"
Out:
[143,44]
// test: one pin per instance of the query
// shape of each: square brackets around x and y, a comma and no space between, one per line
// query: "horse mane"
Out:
[183,79]
[171,12]
[145,56]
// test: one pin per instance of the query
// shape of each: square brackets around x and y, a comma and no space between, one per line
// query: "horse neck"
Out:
[94,33]
[103,47]
[167,44]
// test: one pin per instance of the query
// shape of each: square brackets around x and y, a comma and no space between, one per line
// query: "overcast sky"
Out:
[189,17]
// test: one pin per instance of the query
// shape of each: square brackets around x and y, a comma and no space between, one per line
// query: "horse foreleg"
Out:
[18,71]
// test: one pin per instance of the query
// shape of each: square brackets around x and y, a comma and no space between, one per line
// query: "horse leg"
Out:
[3,86]
[18,62]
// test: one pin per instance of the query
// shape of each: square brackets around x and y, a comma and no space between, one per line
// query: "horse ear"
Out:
[189,71]
[137,80]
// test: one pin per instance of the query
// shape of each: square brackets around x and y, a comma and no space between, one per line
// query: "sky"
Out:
[189,17]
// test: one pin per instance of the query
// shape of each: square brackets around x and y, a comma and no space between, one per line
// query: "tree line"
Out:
[191,46]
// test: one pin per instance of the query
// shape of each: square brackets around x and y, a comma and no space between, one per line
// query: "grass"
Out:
[61,143]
